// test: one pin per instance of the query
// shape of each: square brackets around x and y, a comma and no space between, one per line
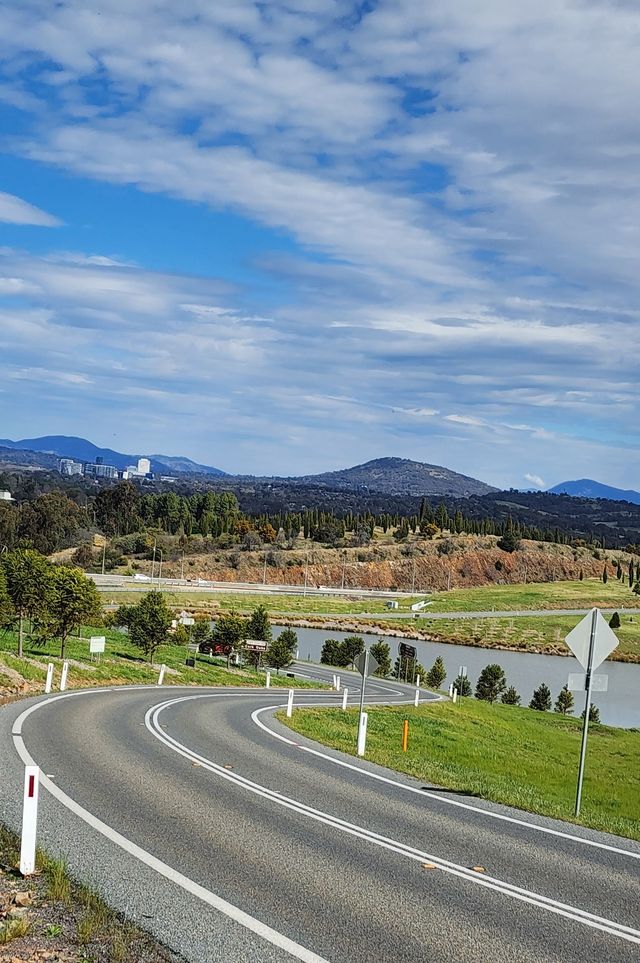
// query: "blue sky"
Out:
[293,236]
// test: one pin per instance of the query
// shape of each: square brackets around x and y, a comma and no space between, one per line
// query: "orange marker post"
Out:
[405,735]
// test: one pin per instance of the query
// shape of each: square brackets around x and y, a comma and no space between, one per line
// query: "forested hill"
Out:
[399,476]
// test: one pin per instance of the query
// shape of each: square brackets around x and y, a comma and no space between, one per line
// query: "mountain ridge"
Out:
[81,449]
[588,488]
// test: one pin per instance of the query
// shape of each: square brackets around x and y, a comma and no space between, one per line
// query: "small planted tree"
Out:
[149,623]
[605,575]
[73,601]
[436,674]
[491,683]
[541,699]
[382,654]
[352,646]
[594,713]
[279,654]
[230,630]
[290,639]
[26,579]
[258,625]
[510,697]
[614,621]
[463,685]
[564,702]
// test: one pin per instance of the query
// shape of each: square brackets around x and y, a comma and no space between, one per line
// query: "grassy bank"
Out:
[121,664]
[519,757]
[51,917]
[537,595]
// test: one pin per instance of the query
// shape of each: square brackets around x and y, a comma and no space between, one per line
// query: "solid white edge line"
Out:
[426,794]
[516,892]
[174,876]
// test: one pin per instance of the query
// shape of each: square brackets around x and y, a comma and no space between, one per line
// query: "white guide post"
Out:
[418,681]
[49,682]
[161,676]
[417,697]
[450,690]
[345,695]
[338,683]
[63,677]
[362,733]
[268,682]
[29,820]
[290,704]
[333,683]
[455,695]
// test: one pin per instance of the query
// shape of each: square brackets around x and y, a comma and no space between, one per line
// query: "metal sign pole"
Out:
[587,709]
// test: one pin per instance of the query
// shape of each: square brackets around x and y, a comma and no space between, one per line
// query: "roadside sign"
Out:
[604,642]
[255,645]
[407,651]
[578,682]
[96,644]
[369,664]
[187,620]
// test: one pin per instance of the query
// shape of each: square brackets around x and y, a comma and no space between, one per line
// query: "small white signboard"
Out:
[187,620]
[255,645]
[579,639]
[578,682]
[96,644]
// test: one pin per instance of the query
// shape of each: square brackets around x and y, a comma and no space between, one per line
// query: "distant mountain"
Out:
[80,449]
[399,476]
[588,488]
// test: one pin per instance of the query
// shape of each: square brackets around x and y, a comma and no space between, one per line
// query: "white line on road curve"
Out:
[489,882]
[217,902]
[425,794]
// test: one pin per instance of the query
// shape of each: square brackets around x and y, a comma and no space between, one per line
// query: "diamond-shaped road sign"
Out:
[371,665]
[579,638]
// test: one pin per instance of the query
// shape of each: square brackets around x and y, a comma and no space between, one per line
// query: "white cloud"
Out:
[13,210]
[535,480]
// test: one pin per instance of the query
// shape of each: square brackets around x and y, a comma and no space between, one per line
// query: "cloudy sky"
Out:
[293,235]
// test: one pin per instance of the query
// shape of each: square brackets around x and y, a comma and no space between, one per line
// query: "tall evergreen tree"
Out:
[541,699]
[491,683]
[436,674]
[510,697]
[564,702]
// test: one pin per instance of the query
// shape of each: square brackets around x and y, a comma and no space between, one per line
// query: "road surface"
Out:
[232,839]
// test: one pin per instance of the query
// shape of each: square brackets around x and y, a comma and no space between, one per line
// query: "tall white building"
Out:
[144,466]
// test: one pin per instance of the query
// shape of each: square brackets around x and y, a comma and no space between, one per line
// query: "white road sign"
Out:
[255,645]
[96,644]
[578,682]
[579,638]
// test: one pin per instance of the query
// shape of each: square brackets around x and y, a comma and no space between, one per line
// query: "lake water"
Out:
[619,706]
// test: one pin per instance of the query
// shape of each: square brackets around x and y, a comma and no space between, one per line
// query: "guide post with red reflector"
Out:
[49,682]
[29,820]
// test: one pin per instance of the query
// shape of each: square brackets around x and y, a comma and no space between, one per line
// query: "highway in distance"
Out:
[233,839]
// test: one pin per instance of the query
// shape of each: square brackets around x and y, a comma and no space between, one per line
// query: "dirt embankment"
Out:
[438,565]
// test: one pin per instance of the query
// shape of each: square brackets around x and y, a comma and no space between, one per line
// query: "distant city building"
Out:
[67,466]
[5,496]
[141,470]
[100,470]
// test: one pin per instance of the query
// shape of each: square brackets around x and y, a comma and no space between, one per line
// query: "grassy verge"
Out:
[537,595]
[514,756]
[51,917]
[121,665]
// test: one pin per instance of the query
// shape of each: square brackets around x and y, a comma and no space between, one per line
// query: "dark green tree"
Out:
[149,622]
[463,686]
[491,683]
[26,575]
[510,542]
[353,645]
[594,713]
[258,625]
[436,674]
[290,638]
[382,654]
[333,653]
[541,699]
[73,601]
[7,613]
[230,629]
[605,576]
[510,697]
[564,702]
[614,621]
[279,654]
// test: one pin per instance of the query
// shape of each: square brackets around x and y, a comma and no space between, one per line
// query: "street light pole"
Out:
[104,552]
[306,572]
[153,561]
[160,569]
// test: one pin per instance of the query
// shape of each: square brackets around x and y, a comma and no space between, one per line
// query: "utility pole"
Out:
[182,568]
[306,572]
[413,578]
[153,562]
[264,570]
[344,565]
[104,552]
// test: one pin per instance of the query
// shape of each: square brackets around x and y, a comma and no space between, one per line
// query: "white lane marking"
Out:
[217,902]
[508,889]
[425,794]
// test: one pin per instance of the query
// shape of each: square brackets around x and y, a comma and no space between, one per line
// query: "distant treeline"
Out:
[68,515]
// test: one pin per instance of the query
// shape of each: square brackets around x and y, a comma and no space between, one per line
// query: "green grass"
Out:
[122,664]
[514,756]
[277,604]
[537,595]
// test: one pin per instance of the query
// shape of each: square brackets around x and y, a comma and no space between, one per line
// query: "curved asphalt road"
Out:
[230,844]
